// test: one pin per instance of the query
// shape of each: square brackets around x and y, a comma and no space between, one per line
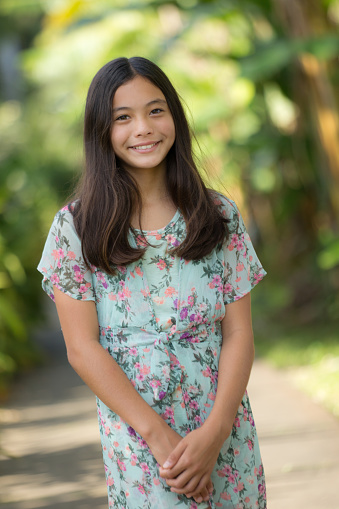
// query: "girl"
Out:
[151,273]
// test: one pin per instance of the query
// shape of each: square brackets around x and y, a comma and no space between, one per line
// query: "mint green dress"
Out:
[160,319]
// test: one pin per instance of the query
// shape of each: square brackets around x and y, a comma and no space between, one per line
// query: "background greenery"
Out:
[260,79]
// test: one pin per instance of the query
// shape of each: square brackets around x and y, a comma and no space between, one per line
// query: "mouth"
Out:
[145,148]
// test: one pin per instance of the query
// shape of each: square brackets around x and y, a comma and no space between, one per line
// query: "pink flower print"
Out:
[236,451]
[110,453]
[122,269]
[216,279]
[211,285]
[250,444]
[225,496]
[237,422]
[170,239]
[110,481]
[218,305]
[240,486]
[186,397]
[121,465]
[190,300]
[57,238]
[161,264]
[155,383]
[159,300]
[127,292]
[211,396]
[112,296]
[240,246]
[221,473]
[71,255]
[78,277]
[82,289]
[156,481]
[239,267]
[227,469]
[141,489]
[55,279]
[144,467]
[61,253]
[193,505]
[121,295]
[55,254]
[228,288]
[194,404]
[138,271]
[170,291]
[247,500]
[76,268]
[140,377]
[133,351]
[231,479]
[207,372]
[198,419]
[250,479]
[145,370]
[116,444]
[134,459]
[107,430]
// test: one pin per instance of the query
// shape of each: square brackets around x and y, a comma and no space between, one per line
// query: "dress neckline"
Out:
[160,231]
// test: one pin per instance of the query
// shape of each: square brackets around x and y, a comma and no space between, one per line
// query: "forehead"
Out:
[135,93]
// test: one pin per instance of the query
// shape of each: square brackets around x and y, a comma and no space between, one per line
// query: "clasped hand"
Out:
[189,466]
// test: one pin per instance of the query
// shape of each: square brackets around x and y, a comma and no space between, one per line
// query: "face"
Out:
[143,129]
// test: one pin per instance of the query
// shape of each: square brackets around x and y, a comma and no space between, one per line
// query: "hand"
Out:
[163,447]
[192,461]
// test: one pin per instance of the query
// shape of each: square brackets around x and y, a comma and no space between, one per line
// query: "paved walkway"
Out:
[51,456]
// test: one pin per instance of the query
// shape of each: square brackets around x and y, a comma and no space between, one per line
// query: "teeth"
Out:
[143,147]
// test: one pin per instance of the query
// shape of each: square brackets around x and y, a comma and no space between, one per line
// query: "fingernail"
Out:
[166,464]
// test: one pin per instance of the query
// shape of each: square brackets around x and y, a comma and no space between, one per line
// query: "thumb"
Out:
[173,458]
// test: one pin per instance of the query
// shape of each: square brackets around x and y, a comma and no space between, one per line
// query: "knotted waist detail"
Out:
[165,367]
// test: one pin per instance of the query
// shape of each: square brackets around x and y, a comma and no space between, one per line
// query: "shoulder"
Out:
[227,207]
[63,222]
[65,215]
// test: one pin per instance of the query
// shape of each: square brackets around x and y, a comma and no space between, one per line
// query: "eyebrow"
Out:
[148,104]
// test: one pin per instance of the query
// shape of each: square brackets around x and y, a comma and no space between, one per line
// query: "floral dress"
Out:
[160,319]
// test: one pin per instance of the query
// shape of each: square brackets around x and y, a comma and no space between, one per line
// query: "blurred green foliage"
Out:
[260,80]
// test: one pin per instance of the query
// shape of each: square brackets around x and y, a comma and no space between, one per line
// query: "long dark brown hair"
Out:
[107,194]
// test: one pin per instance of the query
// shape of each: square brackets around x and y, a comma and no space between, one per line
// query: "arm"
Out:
[192,461]
[104,376]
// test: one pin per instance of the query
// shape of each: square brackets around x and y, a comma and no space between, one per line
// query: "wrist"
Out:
[152,430]
[219,426]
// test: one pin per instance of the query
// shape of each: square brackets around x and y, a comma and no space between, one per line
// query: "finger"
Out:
[181,466]
[189,487]
[175,455]
[203,495]
[183,481]
[200,486]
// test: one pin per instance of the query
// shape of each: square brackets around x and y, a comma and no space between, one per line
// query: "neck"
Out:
[152,184]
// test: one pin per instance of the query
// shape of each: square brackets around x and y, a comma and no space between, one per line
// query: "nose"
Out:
[143,127]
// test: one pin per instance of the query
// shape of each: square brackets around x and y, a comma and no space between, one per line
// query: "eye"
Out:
[122,117]
[156,110]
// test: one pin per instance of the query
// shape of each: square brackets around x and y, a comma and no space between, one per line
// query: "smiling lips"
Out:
[145,148]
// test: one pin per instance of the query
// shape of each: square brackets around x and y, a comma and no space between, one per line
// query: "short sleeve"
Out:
[243,269]
[62,263]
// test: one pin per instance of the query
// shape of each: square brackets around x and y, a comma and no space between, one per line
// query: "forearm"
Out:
[235,364]
[108,381]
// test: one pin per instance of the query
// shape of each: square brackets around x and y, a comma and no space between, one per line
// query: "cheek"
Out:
[117,139]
